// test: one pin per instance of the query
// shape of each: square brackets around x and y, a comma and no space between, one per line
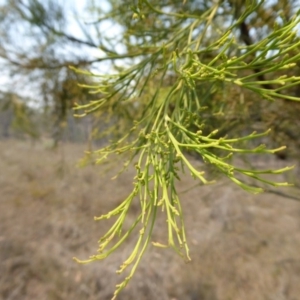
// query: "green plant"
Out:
[159,100]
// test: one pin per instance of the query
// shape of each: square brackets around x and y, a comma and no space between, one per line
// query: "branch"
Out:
[43,23]
[81,63]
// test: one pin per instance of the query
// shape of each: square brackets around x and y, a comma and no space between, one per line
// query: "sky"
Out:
[74,11]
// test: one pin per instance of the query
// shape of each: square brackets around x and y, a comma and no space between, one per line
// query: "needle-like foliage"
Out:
[176,61]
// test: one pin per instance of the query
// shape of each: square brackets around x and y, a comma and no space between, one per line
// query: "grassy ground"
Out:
[243,247]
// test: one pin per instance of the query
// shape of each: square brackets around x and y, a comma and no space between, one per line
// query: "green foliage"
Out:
[181,62]
[16,115]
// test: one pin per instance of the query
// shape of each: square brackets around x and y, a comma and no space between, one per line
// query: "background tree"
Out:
[39,41]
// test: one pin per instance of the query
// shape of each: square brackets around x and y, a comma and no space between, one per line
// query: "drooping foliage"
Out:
[189,77]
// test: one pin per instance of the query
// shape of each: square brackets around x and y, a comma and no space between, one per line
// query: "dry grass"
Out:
[244,247]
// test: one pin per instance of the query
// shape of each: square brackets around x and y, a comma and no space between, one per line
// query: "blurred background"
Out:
[242,246]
